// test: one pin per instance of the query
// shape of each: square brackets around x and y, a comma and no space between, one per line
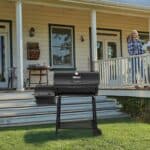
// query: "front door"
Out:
[4,53]
[3,61]
[108,46]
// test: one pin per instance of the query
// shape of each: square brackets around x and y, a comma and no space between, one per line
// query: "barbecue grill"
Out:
[76,83]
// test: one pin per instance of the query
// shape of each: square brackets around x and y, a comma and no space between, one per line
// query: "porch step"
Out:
[52,109]
[51,118]
[18,112]
[85,100]
[65,100]
[16,95]
[17,103]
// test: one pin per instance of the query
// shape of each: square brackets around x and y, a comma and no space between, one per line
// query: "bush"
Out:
[138,108]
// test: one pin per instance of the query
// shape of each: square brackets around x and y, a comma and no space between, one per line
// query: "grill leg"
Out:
[47,76]
[58,114]
[29,78]
[96,131]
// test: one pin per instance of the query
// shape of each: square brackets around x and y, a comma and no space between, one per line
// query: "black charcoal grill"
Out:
[76,83]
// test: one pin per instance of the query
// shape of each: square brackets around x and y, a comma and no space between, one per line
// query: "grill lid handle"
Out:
[76,73]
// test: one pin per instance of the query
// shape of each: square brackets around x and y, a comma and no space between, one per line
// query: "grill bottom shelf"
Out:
[93,123]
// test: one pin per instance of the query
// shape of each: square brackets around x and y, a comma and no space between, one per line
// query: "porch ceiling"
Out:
[98,5]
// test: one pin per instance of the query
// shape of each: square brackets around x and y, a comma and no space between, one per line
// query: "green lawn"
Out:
[117,135]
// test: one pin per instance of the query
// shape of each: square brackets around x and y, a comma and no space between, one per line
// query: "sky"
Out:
[144,3]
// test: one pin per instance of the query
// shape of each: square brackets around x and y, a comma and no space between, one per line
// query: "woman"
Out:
[134,45]
[135,48]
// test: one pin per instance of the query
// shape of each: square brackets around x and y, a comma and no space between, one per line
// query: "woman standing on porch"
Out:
[134,45]
[135,48]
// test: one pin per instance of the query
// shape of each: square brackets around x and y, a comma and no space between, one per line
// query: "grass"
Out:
[117,135]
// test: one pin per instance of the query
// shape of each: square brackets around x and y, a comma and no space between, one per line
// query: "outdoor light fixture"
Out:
[82,38]
[32,32]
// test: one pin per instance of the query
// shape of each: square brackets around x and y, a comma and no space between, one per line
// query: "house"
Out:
[80,35]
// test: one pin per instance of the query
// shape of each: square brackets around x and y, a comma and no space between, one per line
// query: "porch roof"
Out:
[122,7]
[139,4]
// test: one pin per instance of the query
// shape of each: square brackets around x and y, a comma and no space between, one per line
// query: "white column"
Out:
[149,27]
[19,45]
[94,40]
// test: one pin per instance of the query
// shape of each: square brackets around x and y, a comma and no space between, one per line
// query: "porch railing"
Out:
[125,72]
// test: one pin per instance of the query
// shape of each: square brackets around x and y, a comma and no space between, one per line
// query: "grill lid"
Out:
[77,78]
[76,82]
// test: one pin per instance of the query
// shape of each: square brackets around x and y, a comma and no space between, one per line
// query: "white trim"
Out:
[108,4]
[131,93]
[94,38]
[19,36]
[52,5]
[149,27]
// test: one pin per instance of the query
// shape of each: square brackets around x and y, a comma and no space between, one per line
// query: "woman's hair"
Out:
[135,32]
[130,36]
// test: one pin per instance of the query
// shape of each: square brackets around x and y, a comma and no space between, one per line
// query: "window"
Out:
[144,37]
[2,59]
[112,50]
[62,47]
[99,50]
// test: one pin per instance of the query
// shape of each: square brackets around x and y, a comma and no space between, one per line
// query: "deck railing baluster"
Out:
[124,72]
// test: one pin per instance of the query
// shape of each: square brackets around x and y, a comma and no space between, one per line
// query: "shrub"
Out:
[138,108]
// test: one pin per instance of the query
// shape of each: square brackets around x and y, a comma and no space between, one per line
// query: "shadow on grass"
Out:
[40,137]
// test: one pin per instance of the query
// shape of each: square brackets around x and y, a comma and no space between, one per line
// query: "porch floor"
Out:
[129,92]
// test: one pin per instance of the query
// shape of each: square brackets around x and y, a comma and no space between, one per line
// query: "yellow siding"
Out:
[124,23]
[40,16]
[8,13]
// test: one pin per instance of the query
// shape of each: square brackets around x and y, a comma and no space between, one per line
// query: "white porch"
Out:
[114,73]
[125,72]
[122,76]
[127,76]
[125,93]
[19,35]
